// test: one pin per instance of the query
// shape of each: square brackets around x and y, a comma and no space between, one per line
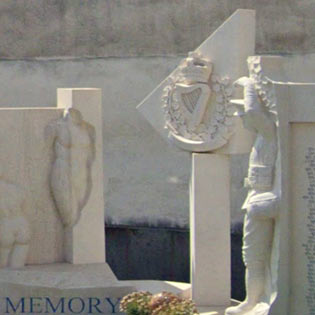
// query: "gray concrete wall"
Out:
[41,28]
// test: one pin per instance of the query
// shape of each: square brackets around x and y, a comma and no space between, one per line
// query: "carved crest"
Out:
[196,104]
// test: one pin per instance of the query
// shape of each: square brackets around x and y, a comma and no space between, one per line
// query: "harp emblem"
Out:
[190,99]
[196,102]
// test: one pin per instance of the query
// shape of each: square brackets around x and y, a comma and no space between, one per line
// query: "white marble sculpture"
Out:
[196,104]
[70,181]
[258,112]
[14,227]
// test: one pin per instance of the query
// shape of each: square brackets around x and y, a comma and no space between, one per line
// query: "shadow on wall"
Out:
[144,253]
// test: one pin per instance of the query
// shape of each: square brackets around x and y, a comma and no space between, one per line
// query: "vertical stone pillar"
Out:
[85,242]
[210,229]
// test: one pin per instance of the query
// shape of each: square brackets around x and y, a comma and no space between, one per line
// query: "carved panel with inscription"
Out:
[302,219]
[309,245]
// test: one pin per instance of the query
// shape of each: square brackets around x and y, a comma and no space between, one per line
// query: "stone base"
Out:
[70,289]
[215,310]
[61,289]
[76,289]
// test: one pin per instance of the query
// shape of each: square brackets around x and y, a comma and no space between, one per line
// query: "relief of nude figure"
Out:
[74,153]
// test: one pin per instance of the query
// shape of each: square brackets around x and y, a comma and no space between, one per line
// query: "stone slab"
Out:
[296,262]
[25,159]
[210,229]
[302,215]
[76,287]
[27,155]
[296,74]
[214,310]
[294,69]
[303,95]
[295,104]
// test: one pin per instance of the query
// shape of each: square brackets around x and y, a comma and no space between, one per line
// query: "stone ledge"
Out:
[76,289]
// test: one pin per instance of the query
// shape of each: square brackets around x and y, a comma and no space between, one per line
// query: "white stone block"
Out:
[25,159]
[210,229]
[27,156]
[296,280]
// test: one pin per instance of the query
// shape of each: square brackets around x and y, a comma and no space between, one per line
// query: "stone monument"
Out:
[58,150]
[279,223]
[192,109]
[52,249]
[52,240]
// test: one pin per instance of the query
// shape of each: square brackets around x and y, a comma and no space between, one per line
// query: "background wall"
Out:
[102,28]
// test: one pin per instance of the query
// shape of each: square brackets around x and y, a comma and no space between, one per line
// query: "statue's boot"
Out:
[255,283]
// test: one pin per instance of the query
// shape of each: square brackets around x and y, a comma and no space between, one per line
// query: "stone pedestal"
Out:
[210,229]
[71,289]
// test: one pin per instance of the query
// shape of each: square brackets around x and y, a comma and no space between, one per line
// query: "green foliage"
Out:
[133,309]
[136,303]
